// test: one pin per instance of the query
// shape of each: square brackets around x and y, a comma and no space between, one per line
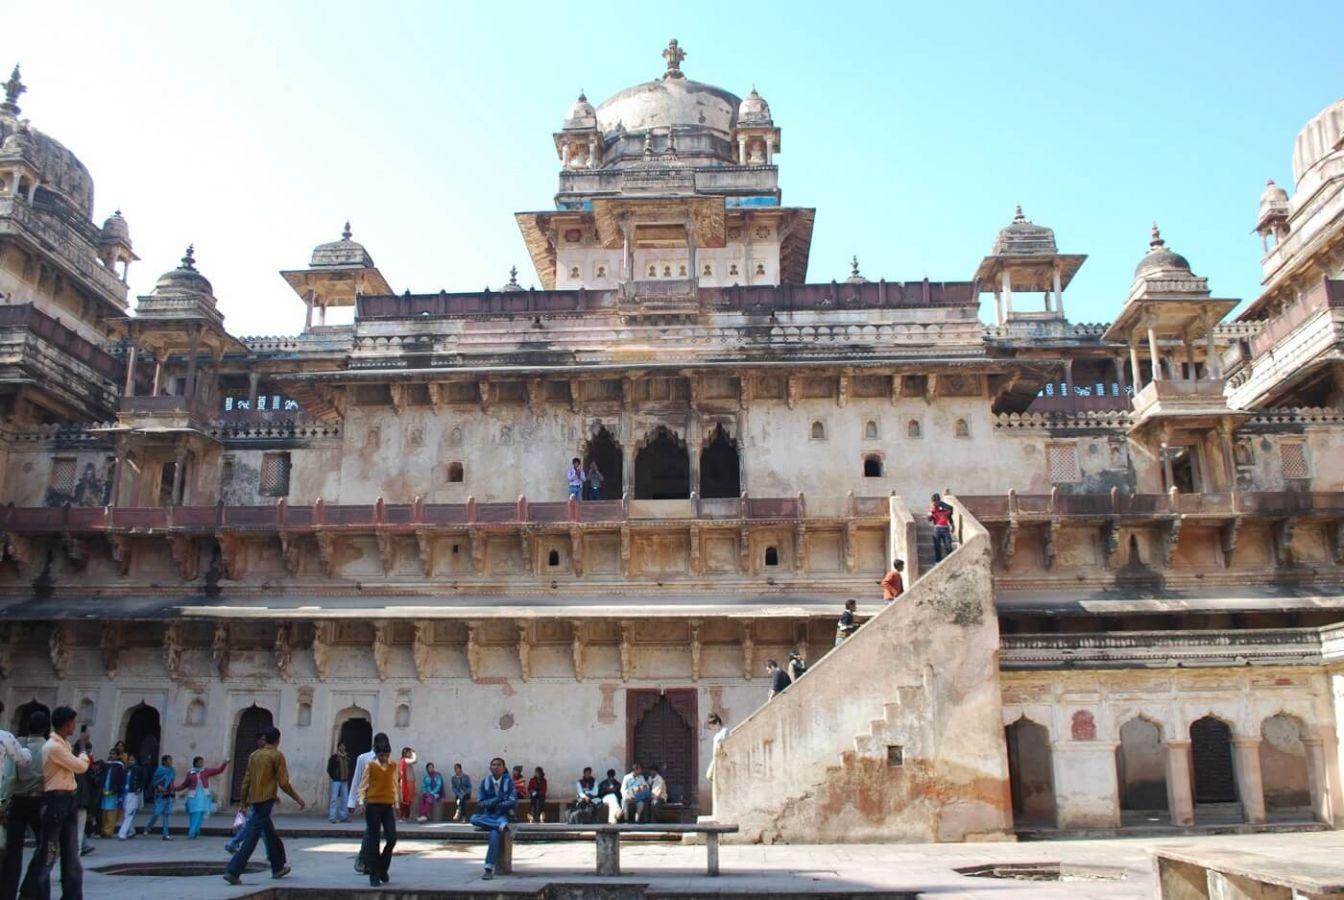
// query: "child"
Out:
[536,793]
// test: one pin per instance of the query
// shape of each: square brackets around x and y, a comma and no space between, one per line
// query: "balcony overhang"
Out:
[1183,405]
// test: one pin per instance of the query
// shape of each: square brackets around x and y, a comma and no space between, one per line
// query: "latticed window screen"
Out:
[1061,461]
[1293,458]
[275,474]
[63,476]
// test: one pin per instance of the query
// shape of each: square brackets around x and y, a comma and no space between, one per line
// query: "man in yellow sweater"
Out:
[378,793]
[267,774]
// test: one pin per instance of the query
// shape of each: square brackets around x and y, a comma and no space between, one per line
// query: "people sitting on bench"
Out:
[635,795]
[609,794]
[587,803]
[657,794]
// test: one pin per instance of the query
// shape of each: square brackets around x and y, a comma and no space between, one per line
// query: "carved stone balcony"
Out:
[40,355]
[164,413]
[1183,403]
[1162,649]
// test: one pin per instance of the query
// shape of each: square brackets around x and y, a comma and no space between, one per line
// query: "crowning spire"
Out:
[1018,218]
[1156,242]
[345,234]
[674,55]
[189,260]
[854,266]
[13,88]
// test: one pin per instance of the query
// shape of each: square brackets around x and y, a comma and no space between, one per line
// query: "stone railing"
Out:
[27,317]
[1162,649]
[1051,421]
[1299,415]
[326,338]
[59,434]
[893,715]
[1117,504]
[276,430]
[16,214]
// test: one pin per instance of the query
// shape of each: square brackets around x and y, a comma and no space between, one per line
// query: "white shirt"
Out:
[714,751]
[360,762]
[631,783]
[10,748]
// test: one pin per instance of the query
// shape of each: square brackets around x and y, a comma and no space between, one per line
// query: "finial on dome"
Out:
[345,234]
[1018,218]
[583,98]
[854,266]
[1156,242]
[1269,182]
[13,88]
[189,261]
[674,55]
[117,213]
[513,274]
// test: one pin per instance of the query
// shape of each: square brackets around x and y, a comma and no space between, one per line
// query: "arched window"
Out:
[305,715]
[961,429]
[455,473]
[553,558]
[771,556]
[872,466]
[912,428]
[402,718]
[573,271]
[870,431]
[196,712]
[818,431]
[653,271]
[709,270]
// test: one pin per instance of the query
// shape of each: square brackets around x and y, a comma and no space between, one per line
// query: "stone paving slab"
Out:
[325,864]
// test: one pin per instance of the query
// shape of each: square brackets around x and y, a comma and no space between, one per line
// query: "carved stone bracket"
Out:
[524,651]
[1008,544]
[382,648]
[627,632]
[697,559]
[1171,539]
[1110,540]
[173,645]
[424,542]
[748,650]
[58,647]
[291,550]
[111,646]
[187,554]
[438,395]
[897,384]
[397,393]
[576,550]
[535,394]
[324,637]
[576,647]
[842,392]
[120,547]
[387,551]
[477,551]
[23,550]
[326,552]
[1337,543]
[284,650]
[695,649]
[486,394]
[744,550]
[527,545]
[851,547]
[931,387]
[625,550]
[219,648]
[1283,541]
[1048,541]
[1229,539]
[791,390]
[423,647]
[474,650]
[76,550]
[800,547]
[233,554]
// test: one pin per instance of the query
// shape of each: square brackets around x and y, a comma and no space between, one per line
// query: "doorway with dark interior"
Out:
[720,467]
[662,467]
[251,722]
[356,732]
[20,724]
[142,733]
[603,449]
[1185,468]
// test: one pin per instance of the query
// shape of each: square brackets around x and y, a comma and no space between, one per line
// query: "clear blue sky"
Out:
[255,129]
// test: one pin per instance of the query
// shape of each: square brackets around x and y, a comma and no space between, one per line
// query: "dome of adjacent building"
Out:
[184,279]
[345,252]
[1273,194]
[115,229]
[1022,237]
[670,101]
[753,110]
[1161,259]
[581,114]
[1318,139]
[60,170]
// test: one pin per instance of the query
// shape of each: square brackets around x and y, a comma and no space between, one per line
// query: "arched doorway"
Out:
[142,733]
[1283,768]
[1215,779]
[20,725]
[662,732]
[1031,773]
[720,468]
[1141,772]
[251,722]
[662,468]
[603,449]
[354,728]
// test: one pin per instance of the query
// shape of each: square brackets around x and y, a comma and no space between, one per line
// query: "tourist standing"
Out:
[797,665]
[339,771]
[161,783]
[716,722]
[536,795]
[379,792]
[497,802]
[574,479]
[635,794]
[60,840]
[196,786]
[90,795]
[113,786]
[431,791]
[24,813]
[940,514]
[609,795]
[267,774]
[846,625]
[779,679]
[594,477]
[406,772]
[893,584]
[461,787]
[132,797]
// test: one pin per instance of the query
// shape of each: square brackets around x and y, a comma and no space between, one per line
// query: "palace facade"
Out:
[366,527]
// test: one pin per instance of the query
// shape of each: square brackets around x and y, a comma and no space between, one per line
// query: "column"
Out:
[1213,364]
[1068,378]
[1325,799]
[998,306]
[308,314]
[1059,294]
[1250,787]
[191,365]
[118,468]
[694,439]
[742,150]
[158,378]
[179,464]
[1007,293]
[747,268]
[1120,375]
[690,251]
[1134,364]
[253,379]
[1087,790]
[769,151]
[592,153]
[1168,477]
[627,253]
[1229,460]
[1152,352]
[1192,372]
[322,314]
[130,372]
[1180,796]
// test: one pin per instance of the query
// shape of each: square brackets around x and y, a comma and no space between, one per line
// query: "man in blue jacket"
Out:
[498,803]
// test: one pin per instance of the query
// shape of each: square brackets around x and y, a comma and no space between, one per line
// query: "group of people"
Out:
[583,484]
[634,798]
[127,786]
[344,774]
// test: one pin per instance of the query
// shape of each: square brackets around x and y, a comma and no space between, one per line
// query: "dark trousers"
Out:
[942,542]
[259,826]
[60,841]
[378,817]
[25,815]
[636,810]
[538,806]
[460,812]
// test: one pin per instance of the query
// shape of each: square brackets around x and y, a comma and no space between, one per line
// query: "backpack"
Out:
[583,814]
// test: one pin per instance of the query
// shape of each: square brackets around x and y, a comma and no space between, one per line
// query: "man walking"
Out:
[721,731]
[779,679]
[940,514]
[60,813]
[797,665]
[267,774]
[893,584]
[339,771]
[498,802]
[460,785]
[845,625]
[361,761]
[379,792]
[25,798]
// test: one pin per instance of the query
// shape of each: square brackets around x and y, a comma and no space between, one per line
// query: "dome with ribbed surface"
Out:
[60,171]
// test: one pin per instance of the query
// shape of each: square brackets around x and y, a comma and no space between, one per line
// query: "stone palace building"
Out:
[365,527]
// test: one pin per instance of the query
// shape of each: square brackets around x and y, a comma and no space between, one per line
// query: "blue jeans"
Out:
[496,825]
[58,844]
[259,825]
[576,492]
[340,795]
[594,491]
[942,542]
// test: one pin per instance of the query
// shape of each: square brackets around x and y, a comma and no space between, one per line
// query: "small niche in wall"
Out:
[912,429]
[196,712]
[456,475]
[305,715]
[553,558]
[771,556]
[402,719]
[872,466]
[961,429]
[870,431]
[818,431]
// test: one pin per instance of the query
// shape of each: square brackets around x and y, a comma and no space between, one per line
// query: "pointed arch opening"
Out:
[142,732]
[603,449]
[1031,773]
[1283,768]
[1141,772]
[251,722]
[662,467]
[720,467]
[1215,779]
[24,712]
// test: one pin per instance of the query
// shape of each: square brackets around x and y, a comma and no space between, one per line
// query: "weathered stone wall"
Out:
[893,736]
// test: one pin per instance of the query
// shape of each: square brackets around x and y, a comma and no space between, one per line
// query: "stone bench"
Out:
[1199,873]
[608,839]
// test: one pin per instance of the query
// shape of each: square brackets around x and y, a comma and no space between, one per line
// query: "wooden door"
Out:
[661,730]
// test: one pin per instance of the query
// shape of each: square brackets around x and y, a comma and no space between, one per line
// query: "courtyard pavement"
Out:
[927,870]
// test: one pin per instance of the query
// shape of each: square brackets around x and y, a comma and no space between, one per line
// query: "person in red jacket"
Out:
[893,585]
[940,514]
[536,793]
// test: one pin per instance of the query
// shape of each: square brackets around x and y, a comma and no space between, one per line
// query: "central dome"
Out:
[670,102]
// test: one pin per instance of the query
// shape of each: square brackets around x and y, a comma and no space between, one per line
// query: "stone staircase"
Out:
[896,734]
[924,541]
